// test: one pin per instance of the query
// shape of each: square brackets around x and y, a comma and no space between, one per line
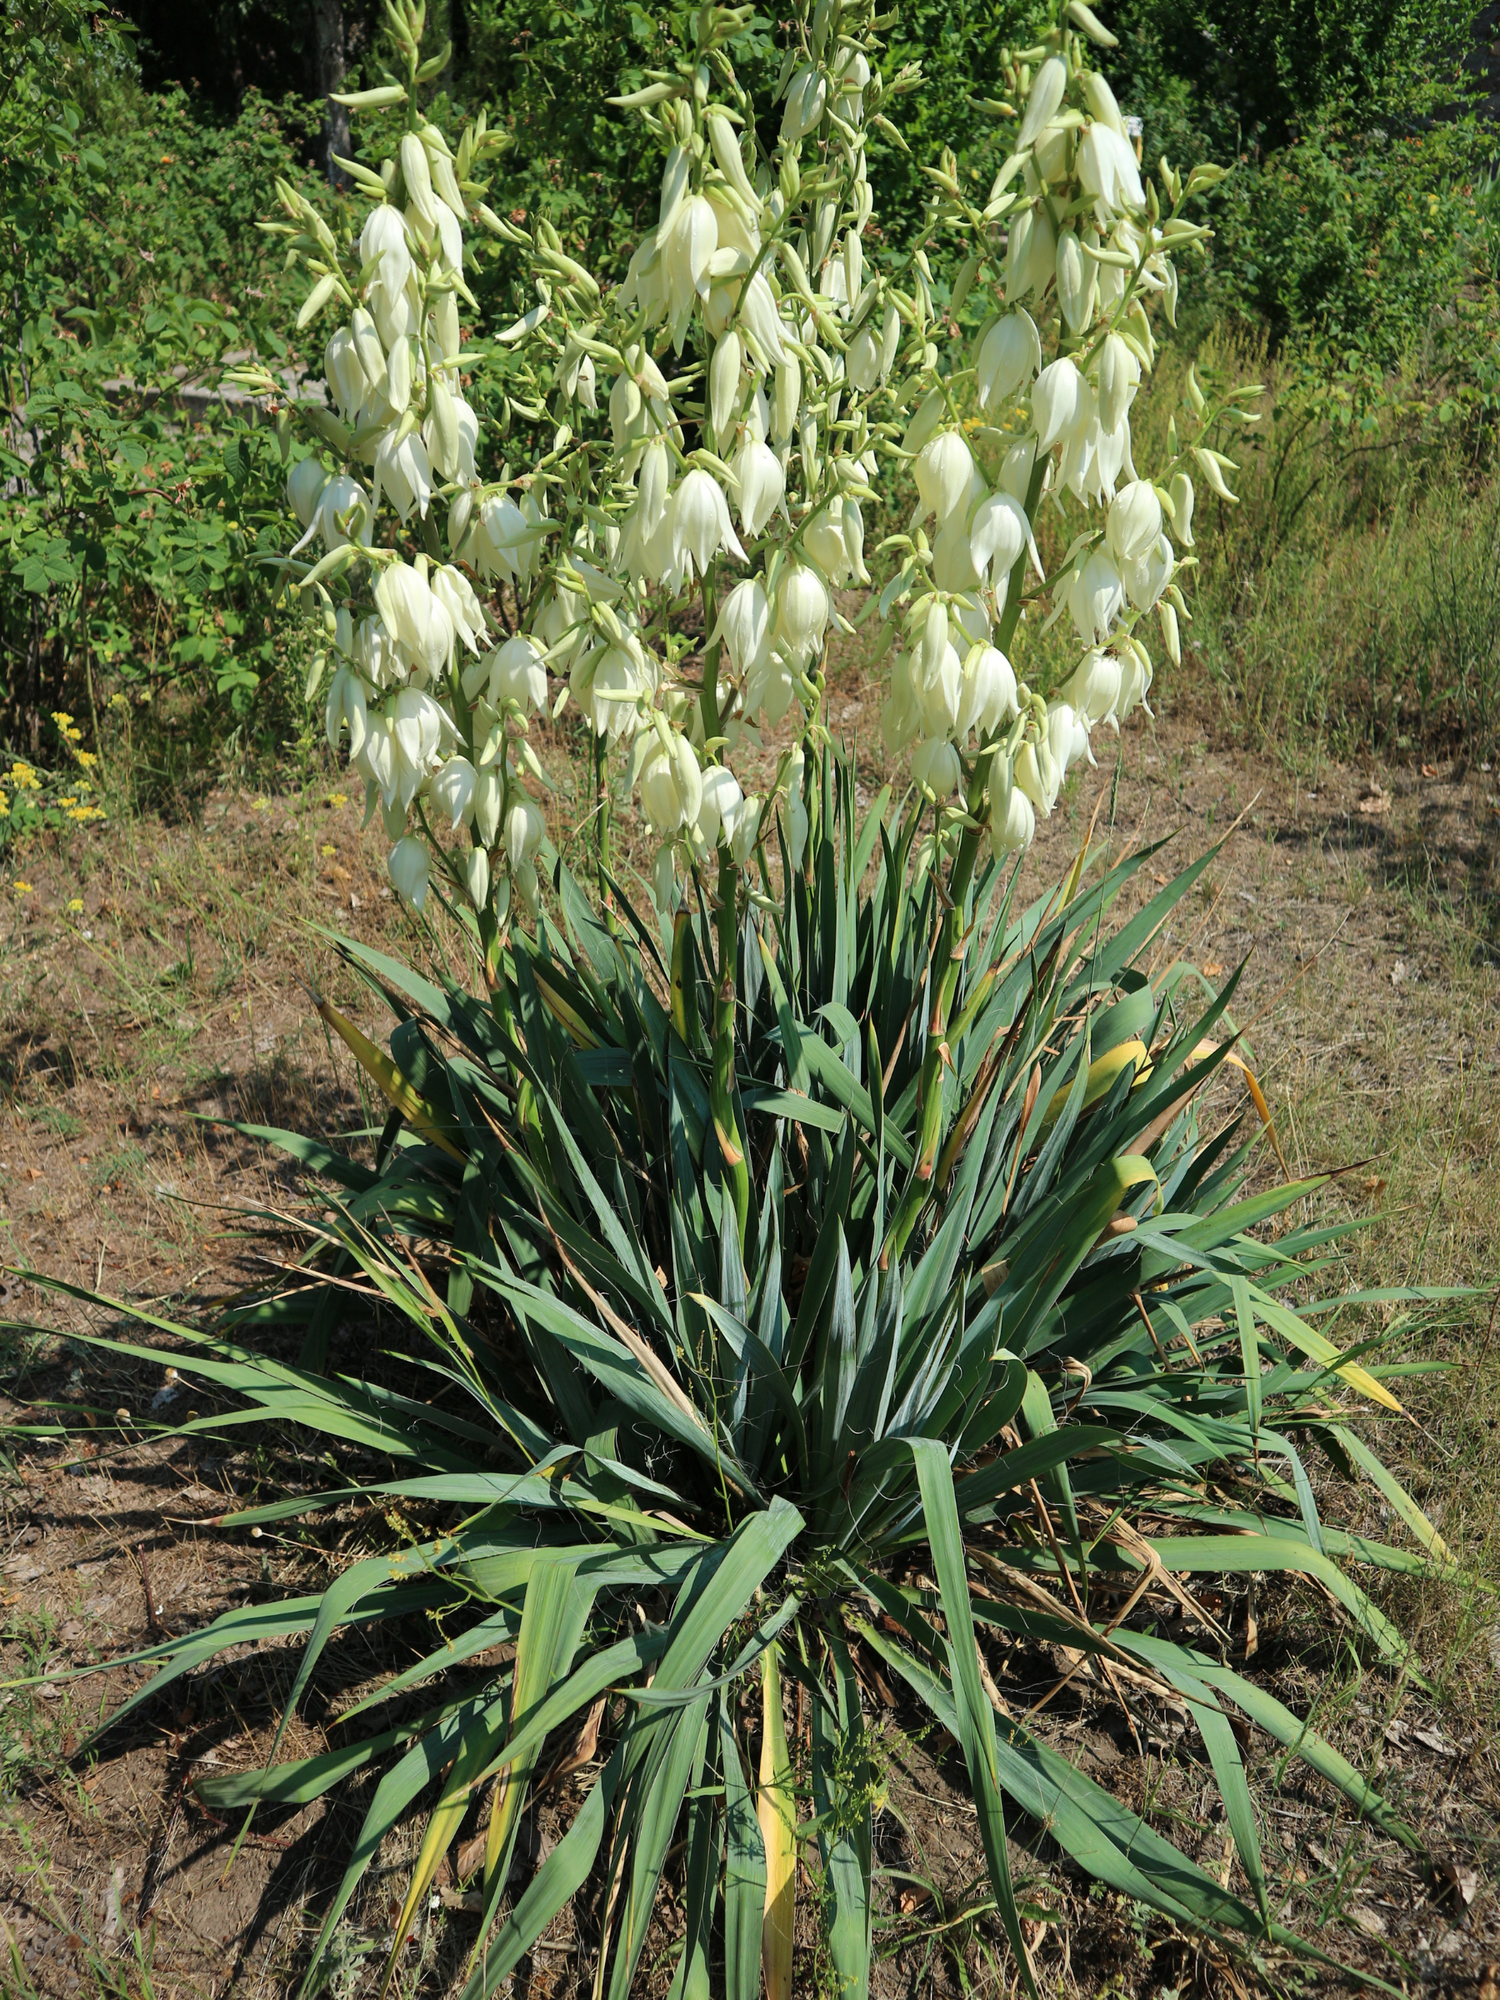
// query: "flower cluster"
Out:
[708,436]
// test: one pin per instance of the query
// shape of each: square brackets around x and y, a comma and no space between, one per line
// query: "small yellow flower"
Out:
[119,701]
[23,888]
[75,904]
[69,801]
[61,717]
[337,799]
[87,759]
[327,848]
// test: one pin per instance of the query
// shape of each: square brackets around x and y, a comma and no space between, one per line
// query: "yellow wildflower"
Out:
[23,888]
[75,904]
[87,759]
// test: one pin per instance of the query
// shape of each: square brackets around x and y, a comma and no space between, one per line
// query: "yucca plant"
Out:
[982,1344]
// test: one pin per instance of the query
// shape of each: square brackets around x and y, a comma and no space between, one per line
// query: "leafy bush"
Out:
[920,1419]
[140,502]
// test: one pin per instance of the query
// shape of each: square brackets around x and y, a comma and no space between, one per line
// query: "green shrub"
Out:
[921,1418]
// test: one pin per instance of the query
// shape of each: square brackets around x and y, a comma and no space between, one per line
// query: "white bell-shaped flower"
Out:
[452,790]
[671,784]
[345,703]
[451,432]
[762,484]
[1054,402]
[806,97]
[455,593]
[1107,168]
[1093,689]
[1077,282]
[1012,815]
[500,542]
[1134,522]
[344,372]
[419,623]
[901,713]
[802,609]
[724,383]
[1119,377]
[1095,597]
[770,689]
[721,803]
[418,726]
[516,673]
[939,688]
[1037,775]
[1009,356]
[744,625]
[944,468]
[862,363]
[999,535]
[935,766]
[988,699]
[384,240]
[489,797]
[761,320]
[343,504]
[609,685]
[524,827]
[688,244]
[304,488]
[952,560]
[1148,576]
[1135,679]
[700,524]
[1067,736]
[823,539]
[1042,100]
[407,864]
[403,473]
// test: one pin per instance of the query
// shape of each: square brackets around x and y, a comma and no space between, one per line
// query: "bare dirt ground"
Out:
[179,996]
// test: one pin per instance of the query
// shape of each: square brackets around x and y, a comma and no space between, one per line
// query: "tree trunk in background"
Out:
[328,19]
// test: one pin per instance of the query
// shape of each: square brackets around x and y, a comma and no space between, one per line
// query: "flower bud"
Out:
[724,384]
[1045,95]
[477,877]
[489,795]
[1181,491]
